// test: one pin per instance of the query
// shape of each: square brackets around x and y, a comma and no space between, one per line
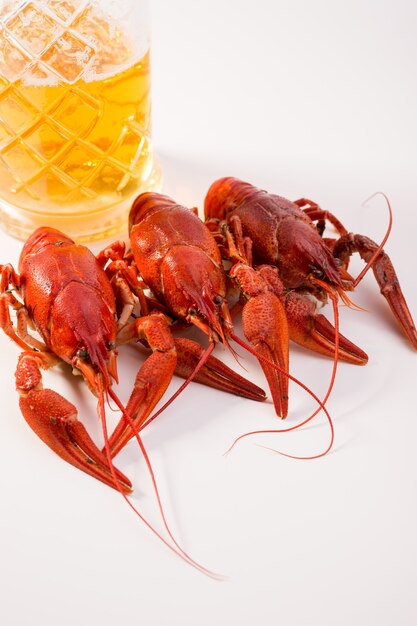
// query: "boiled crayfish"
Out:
[176,256]
[82,313]
[284,241]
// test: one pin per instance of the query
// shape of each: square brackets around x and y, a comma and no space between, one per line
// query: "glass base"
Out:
[107,222]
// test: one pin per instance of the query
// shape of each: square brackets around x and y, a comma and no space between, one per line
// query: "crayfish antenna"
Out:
[383,242]
[177,550]
[348,302]
[321,403]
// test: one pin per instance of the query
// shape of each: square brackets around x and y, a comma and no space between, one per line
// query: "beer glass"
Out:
[75,130]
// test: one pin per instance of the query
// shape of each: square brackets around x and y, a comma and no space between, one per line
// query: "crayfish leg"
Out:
[317,214]
[22,338]
[152,379]
[55,421]
[385,275]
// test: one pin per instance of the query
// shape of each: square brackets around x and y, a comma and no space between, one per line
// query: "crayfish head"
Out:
[147,203]
[225,195]
[83,332]
[96,360]
[212,316]
[40,239]
[195,289]
[304,257]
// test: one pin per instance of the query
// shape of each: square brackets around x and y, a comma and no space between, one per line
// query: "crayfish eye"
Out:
[82,354]
[218,300]
[192,311]
[316,272]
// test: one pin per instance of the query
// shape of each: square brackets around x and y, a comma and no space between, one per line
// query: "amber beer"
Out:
[75,137]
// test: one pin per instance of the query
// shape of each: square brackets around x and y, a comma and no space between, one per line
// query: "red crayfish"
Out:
[179,271]
[82,314]
[284,241]
[177,257]
[82,308]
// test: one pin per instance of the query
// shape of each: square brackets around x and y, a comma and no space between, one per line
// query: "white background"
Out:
[304,98]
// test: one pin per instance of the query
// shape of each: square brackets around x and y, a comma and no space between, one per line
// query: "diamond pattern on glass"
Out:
[13,62]
[110,176]
[39,75]
[16,112]
[46,141]
[33,29]
[19,159]
[5,134]
[80,162]
[78,112]
[129,146]
[68,57]
[112,46]
[53,182]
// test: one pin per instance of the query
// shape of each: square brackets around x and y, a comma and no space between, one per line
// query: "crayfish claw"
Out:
[214,373]
[387,280]
[265,327]
[54,420]
[313,330]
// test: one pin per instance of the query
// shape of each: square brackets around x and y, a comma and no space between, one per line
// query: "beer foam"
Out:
[95,43]
[43,77]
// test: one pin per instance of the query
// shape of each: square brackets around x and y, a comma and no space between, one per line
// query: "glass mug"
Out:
[75,132]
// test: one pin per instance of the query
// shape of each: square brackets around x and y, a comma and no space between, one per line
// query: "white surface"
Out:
[313,99]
